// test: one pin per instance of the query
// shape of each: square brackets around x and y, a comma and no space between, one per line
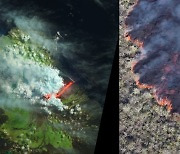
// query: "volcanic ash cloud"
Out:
[156,23]
[27,81]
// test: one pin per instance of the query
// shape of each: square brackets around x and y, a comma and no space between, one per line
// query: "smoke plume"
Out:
[27,80]
[154,26]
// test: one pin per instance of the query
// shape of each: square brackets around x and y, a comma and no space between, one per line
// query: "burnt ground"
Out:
[145,127]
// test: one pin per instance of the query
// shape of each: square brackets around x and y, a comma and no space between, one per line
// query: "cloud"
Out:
[28,80]
[80,58]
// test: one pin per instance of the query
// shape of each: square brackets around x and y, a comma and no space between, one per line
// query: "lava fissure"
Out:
[60,92]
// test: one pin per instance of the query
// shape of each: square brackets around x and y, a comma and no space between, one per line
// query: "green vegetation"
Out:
[20,126]
[75,97]
[21,44]
[22,129]
[28,131]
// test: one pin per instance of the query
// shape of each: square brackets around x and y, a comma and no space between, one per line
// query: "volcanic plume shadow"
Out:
[156,23]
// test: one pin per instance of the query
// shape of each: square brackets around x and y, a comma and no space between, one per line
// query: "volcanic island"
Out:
[30,123]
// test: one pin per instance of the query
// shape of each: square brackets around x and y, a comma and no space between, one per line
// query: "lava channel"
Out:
[60,92]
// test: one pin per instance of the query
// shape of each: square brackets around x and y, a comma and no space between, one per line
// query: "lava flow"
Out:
[60,92]
[154,26]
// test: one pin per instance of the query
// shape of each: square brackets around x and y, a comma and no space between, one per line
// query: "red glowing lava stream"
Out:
[60,92]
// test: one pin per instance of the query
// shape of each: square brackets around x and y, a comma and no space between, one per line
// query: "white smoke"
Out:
[38,29]
[28,80]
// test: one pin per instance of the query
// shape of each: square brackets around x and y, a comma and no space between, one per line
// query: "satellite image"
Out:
[55,63]
[149,104]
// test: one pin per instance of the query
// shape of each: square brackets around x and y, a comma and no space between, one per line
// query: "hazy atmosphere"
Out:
[55,63]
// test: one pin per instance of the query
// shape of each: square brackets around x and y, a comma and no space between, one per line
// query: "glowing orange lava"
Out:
[60,92]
